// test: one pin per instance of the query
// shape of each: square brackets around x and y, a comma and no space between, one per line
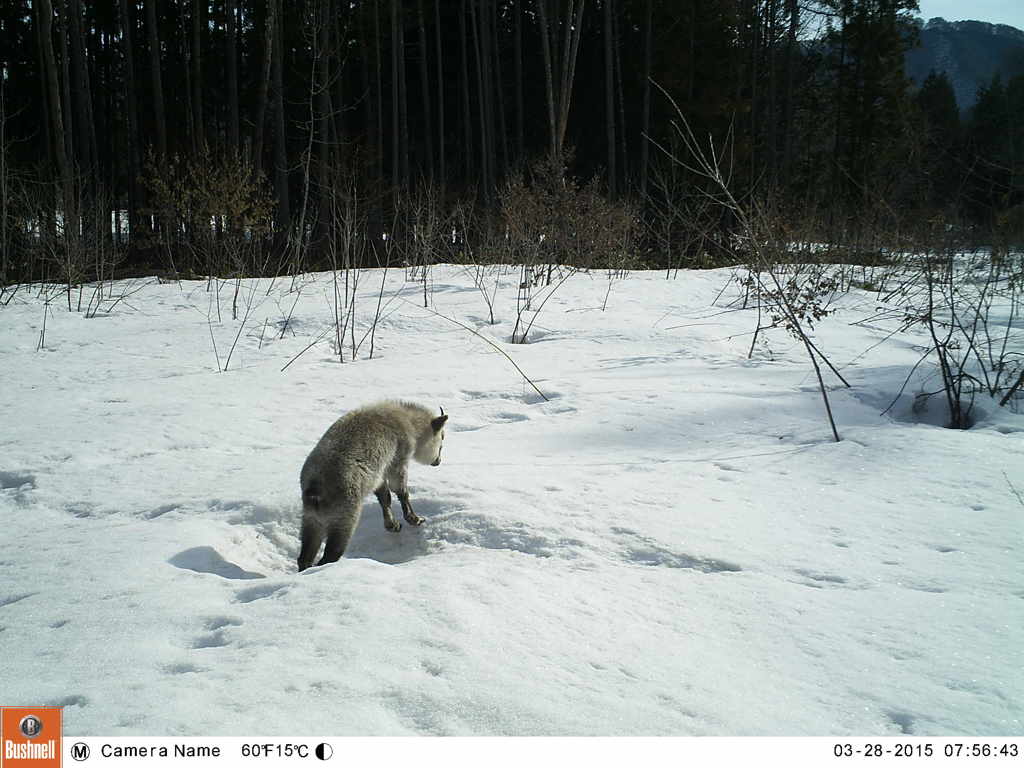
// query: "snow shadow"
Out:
[261,592]
[653,555]
[906,408]
[209,560]
[903,720]
[917,400]
[448,525]
[641,550]
[12,599]
[243,512]
[18,484]
[371,540]
[527,396]
[17,481]
[76,700]
[476,530]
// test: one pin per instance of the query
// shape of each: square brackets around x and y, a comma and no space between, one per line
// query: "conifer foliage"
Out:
[109,108]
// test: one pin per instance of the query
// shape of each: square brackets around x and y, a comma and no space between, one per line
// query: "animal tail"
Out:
[311,495]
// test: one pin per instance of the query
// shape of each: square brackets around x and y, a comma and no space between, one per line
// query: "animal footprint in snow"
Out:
[258,593]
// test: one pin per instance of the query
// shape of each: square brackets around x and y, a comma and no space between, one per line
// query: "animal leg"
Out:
[410,517]
[312,536]
[397,479]
[338,535]
[384,497]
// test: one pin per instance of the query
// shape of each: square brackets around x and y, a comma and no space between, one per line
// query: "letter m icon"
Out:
[80,751]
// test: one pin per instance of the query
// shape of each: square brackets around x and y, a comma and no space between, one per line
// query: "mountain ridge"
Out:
[969,52]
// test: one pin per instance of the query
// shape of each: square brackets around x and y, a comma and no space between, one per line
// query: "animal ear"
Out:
[438,422]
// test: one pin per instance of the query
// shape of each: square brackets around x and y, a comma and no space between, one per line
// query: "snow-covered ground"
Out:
[671,544]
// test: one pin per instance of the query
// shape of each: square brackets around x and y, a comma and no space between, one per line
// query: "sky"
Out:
[995,11]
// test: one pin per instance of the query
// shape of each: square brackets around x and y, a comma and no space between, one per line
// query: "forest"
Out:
[249,138]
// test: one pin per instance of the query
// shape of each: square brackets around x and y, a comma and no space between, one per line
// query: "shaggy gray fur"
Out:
[366,450]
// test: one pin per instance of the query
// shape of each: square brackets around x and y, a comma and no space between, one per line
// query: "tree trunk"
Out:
[609,96]
[467,113]
[197,74]
[6,256]
[261,101]
[231,10]
[645,144]
[157,81]
[789,98]
[134,159]
[520,134]
[483,101]
[396,112]
[625,173]
[185,53]
[547,49]
[323,166]
[284,211]
[501,133]
[770,116]
[44,10]
[428,120]
[47,111]
[691,69]
[82,97]
[88,171]
[440,95]
[573,35]
[837,143]
[560,68]
[67,107]
[755,85]
[379,89]
[372,116]
[403,113]
[341,16]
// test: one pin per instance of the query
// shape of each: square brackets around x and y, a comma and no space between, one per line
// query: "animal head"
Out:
[428,446]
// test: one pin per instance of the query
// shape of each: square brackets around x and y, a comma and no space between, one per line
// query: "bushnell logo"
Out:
[30,738]
[31,726]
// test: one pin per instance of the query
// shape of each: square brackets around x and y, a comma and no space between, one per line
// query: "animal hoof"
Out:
[395,528]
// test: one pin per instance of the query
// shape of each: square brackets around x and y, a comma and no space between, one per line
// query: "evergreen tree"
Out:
[866,44]
[990,151]
[941,130]
[937,102]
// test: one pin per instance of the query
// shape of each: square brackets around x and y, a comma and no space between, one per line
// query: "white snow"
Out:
[672,544]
